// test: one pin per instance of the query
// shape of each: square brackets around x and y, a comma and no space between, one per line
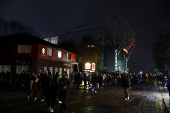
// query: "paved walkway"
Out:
[164,94]
[146,98]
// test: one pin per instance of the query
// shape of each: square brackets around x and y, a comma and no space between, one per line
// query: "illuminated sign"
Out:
[87,66]
[93,66]
[43,51]
[125,50]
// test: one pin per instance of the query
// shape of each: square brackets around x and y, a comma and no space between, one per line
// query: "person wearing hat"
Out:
[36,87]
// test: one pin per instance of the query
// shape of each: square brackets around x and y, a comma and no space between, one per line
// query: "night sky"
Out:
[145,17]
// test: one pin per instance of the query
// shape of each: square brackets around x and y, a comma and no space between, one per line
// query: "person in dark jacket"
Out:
[51,92]
[44,79]
[100,81]
[36,87]
[94,82]
[168,86]
[85,81]
[112,81]
[125,84]
[8,77]
[78,80]
[23,74]
[63,88]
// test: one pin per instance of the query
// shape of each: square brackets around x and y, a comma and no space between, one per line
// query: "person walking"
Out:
[141,79]
[78,80]
[23,74]
[109,79]
[112,81]
[168,86]
[115,77]
[63,88]
[94,82]
[36,87]
[100,81]
[125,84]
[44,79]
[52,92]
[85,81]
[32,78]
[8,77]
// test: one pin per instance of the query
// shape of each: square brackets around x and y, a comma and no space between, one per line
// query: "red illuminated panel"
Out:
[125,50]
[93,66]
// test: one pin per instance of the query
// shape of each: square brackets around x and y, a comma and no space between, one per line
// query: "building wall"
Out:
[33,54]
[54,54]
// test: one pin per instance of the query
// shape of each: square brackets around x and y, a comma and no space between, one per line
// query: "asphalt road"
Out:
[146,98]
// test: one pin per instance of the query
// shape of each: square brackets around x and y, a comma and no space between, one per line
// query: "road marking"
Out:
[157,102]
[160,103]
[70,103]
[73,102]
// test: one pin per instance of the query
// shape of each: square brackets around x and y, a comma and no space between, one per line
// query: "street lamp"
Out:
[141,72]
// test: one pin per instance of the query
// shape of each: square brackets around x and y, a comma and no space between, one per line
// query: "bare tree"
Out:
[14,27]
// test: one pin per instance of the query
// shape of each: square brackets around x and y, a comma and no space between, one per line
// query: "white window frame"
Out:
[59,54]
[68,55]
[49,51]
[24,47]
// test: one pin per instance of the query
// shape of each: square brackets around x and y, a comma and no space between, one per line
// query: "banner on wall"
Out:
[93,66]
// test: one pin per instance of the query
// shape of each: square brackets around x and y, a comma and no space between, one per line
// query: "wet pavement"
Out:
[147,98]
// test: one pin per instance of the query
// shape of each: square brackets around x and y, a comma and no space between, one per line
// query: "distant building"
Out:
[32,54]
[53,40]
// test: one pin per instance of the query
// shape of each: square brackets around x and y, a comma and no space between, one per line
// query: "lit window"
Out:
[51,69]
[59,54]
[49,51]
[56,70]
[45,68]
[24,49]
[5,68]
[68,56]
[60,71]
[20,68]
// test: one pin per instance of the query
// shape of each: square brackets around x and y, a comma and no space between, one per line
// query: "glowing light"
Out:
[125,50]
[87,66]
[43,51]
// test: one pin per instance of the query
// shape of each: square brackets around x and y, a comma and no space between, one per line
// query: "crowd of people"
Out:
[54,87]
[5,77]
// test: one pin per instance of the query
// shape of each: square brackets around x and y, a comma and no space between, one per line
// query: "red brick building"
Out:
[32,54]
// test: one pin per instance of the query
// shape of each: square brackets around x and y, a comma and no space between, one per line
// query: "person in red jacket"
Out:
[36,87]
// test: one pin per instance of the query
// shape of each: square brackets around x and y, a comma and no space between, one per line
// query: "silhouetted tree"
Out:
[161,50]
[87,50]
[14,27]
[69,45]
